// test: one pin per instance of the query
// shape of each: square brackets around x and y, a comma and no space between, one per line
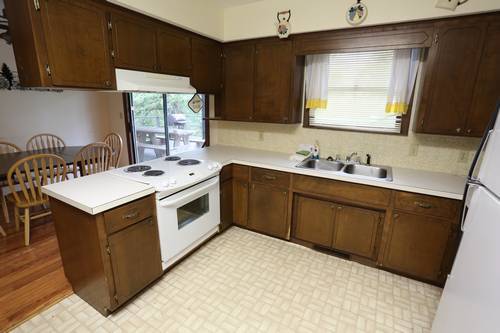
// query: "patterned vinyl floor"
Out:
[245,282]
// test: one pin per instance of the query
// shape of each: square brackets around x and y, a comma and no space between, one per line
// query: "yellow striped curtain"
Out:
[317,81]
[404,74]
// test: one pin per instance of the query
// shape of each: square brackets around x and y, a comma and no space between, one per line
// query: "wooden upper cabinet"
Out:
[450,76]
[238,81]
[134,42]
[64,43]
[206,57]
[174,52]
[417,245]
[273,71]
[486,92]
[356,230]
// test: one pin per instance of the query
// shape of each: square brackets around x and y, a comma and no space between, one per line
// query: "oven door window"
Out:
[191,211]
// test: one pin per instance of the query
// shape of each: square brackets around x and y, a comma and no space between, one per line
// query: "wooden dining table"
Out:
[7,160]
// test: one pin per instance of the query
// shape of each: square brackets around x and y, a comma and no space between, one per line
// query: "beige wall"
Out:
[258,19]
[201,16]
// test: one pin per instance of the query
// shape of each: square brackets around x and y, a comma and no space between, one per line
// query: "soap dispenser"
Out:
[315,152]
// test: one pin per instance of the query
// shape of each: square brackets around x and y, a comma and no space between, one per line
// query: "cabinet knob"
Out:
[458,130]
[107,83]
[395,216]
[339,207]
[469,131]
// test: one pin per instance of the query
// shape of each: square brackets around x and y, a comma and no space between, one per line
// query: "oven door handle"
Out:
[191,194]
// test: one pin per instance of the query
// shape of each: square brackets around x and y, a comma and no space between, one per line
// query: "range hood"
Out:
[135,81]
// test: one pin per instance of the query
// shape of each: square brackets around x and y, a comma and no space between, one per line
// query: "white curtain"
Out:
[404,74]
[317,81]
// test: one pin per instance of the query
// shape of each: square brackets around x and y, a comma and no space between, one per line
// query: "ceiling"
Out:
[233,3]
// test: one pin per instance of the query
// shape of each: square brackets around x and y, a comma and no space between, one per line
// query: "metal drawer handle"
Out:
[130,216]
[268,177]
[424,205]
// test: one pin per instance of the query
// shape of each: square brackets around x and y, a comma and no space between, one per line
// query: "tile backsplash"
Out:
[416,151]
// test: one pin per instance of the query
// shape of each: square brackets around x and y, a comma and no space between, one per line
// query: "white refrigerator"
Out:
[471,296]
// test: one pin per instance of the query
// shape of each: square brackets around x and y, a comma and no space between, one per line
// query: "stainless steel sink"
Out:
[321,165]
[369,171]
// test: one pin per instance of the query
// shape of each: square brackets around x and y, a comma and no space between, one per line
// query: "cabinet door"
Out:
[76,36]
[486,92]
[416,245]
[273,72]
[206,57]
[134,43]
[238,82]
[314,220]
[174,52]
[356,230]
[451,72]
[240,203]
[268,207]
[135,258]
[226,204]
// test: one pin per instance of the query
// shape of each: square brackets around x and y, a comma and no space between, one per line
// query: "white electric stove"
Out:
[187,201]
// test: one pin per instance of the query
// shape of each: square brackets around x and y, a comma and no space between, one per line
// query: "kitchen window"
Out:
[358,89]
[163,124]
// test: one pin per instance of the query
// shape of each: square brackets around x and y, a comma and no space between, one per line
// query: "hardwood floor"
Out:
[32,277]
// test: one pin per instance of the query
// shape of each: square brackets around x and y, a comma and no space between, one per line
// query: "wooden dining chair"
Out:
[115,141]
[44,141]
[6,148]
[34,172]
[91,159]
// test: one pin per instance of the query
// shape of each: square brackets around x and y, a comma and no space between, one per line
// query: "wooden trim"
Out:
[206,120]
[129,128]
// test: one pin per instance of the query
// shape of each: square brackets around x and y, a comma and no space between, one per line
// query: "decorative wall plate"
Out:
[196,103]
[356,13]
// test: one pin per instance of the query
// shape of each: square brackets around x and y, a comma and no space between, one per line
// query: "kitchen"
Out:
[217,216]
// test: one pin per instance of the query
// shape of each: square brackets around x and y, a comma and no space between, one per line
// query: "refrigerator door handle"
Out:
[473,174]
[470,192]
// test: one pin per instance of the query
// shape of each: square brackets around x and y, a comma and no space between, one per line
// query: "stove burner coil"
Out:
[172,158]
[138,168]
[153,173]
[189,162]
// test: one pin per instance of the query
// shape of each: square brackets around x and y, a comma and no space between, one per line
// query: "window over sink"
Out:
[359,84]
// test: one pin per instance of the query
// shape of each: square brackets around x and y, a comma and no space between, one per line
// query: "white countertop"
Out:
[97,193]
[103,191]
[416,181]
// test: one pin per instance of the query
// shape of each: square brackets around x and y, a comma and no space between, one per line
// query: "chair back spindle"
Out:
[45,141]
[91,159]
[115,141]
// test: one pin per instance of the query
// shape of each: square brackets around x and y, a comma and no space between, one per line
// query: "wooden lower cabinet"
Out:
[240,203]
[416,245]
[109,257]
[356,230]
[348,229]
[314,220]
[268,210]
[226,204]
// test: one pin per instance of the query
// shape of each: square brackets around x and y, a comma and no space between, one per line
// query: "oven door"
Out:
[187,218]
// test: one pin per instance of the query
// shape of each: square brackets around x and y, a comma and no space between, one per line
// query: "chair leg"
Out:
[4,206]
[16,217]
[26,226]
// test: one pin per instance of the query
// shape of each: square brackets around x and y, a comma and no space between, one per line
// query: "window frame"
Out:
[405,119]
[129,125]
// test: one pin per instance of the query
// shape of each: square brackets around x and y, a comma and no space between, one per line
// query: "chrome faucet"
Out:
[350,158]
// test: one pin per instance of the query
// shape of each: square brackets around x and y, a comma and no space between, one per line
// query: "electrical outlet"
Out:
[413,150]
[261,136]
[447,4]
[463,157]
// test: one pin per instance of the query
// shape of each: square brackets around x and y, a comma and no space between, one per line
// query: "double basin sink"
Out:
[365,171]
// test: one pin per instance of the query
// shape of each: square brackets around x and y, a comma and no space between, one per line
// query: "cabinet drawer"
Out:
[427,205]
[271,177]
[241,172]
[128,214]
[342,190]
